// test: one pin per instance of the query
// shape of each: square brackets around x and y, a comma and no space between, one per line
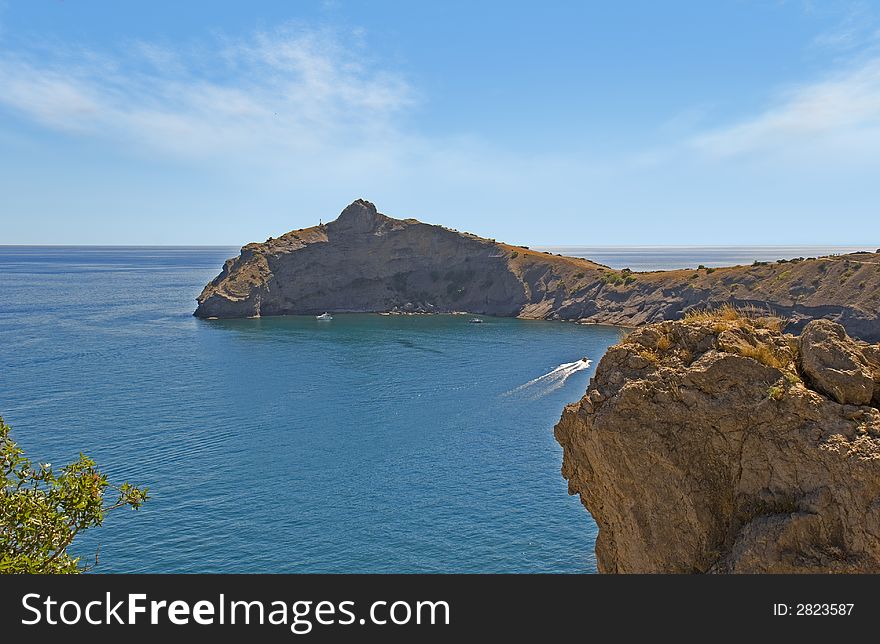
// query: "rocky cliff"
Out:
[719,444]
[365,261]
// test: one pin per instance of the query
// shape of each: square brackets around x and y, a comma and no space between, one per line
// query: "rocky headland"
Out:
[720,444]
[365,261]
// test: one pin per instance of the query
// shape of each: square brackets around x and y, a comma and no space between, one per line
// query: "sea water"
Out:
[366,444]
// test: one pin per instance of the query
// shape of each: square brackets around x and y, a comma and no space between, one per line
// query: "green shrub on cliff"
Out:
[43,510]
[776,392]
[624,278]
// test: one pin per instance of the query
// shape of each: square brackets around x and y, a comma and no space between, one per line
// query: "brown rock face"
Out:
[834,365]
[872,355]
[701,446]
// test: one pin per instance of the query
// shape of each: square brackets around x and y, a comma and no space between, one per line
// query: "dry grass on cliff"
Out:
[742,331]
[746,332]
[728,316]
[765,354]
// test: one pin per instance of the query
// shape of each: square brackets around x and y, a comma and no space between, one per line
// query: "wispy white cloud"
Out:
[292,106]
[287,115]
[837,114]
[287,90]
[855,27]
[311,99]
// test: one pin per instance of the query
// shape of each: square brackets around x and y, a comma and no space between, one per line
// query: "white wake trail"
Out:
[551,381]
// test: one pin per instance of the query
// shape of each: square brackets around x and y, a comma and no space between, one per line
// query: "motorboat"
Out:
[324,316]
[475,321]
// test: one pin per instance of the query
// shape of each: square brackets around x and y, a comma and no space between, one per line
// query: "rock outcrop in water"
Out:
[365,261]
[720,444]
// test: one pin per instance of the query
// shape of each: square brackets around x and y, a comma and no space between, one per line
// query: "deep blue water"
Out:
[366,444]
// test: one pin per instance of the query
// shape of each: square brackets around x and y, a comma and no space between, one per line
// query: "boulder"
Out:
[834,364]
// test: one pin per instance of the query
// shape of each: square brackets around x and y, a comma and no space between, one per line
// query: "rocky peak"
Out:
[359,216]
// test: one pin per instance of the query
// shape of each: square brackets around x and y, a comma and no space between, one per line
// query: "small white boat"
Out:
[475,321]
[324,316]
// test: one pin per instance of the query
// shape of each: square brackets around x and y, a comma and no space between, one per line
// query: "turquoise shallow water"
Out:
[366,444]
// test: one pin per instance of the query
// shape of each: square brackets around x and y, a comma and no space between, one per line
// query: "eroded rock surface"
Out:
[834,365]
[703,445]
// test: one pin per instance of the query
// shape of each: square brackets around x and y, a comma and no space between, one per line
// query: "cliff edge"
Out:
[365,261]
[720,444]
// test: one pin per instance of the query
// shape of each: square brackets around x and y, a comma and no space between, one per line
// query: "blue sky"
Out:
[730,122]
